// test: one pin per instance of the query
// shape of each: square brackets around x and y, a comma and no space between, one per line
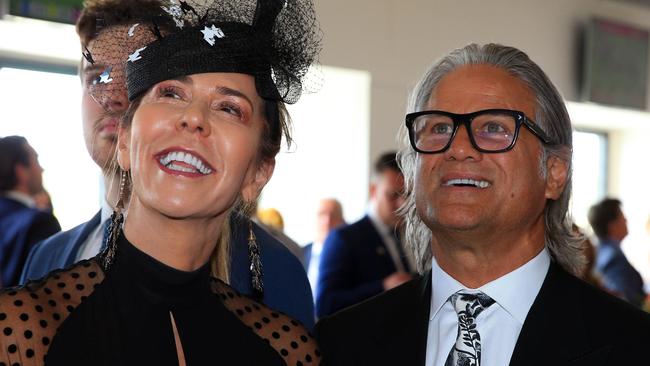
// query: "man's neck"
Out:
[475,261]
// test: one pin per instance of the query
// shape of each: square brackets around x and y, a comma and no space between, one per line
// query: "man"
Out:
[22,224]
[618,275]
[105,28]
[365,258]
[329,216]
[488,187]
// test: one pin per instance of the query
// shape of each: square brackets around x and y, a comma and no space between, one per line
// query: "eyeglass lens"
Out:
[491,131]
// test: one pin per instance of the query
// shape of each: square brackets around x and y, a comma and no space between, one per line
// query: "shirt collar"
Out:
[107,211]
[515,292]
[23,198]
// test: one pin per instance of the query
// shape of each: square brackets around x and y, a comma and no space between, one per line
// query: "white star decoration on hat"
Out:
[176,12]
[105,77]
[210,33]
[132,29]
[135,56]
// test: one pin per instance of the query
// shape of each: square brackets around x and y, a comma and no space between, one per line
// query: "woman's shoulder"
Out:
[286,335]
[31,314]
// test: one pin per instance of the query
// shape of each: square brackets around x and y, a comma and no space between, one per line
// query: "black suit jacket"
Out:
[570,323]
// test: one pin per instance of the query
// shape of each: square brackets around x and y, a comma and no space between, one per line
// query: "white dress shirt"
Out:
[499,325]
[23,198]
[312,268]
[93,243]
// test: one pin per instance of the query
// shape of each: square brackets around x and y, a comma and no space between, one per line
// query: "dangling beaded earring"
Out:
[117,219]
[255,263]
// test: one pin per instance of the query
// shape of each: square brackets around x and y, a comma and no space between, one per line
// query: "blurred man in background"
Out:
[22,224]
[328,217]
[618,275]
[366,258]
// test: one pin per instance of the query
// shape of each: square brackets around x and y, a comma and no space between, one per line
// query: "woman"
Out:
[199,140]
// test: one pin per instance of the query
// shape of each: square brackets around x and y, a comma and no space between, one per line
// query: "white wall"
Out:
[397,39]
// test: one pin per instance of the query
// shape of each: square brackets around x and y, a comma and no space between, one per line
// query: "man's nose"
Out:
[461,147]
[114,101]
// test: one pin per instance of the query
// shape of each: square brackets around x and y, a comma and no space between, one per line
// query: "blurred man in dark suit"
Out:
[618,275]
[22,224]
[366,257]
[488,183]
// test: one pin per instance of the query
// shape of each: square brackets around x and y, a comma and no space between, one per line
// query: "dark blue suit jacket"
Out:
[21,228]
[286,287]
[353,264]
[618,274]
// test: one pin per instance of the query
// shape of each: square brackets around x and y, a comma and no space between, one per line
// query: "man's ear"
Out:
[253,188]
[123,148]
[557,173]
[22,175]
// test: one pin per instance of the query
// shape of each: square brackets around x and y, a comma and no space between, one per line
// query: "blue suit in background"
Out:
[286,287]
[618,274]
[353,265]
[21,227]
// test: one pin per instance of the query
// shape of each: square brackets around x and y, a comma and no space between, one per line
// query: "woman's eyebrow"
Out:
[224,90]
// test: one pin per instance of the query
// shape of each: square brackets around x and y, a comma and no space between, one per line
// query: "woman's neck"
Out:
[184,244]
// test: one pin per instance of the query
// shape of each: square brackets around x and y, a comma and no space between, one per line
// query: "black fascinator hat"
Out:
[275,41]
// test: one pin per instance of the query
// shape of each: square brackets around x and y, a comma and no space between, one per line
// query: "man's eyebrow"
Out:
[224,90]
[94,67]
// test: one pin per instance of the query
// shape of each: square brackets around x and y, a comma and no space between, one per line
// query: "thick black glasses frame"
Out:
[466,120]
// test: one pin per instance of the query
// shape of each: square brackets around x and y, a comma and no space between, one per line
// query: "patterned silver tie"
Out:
[467,349]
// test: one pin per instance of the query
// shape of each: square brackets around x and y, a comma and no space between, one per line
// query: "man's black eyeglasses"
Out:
[490,130]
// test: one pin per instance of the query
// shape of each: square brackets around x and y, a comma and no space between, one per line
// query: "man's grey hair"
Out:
[552,117]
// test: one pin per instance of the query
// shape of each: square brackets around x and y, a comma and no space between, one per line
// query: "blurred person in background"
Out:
[329,216]
[22,223]
[270,219]
[104,57]
[618,275]
[365,258]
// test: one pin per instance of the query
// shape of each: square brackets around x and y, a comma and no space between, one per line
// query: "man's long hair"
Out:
[552,117]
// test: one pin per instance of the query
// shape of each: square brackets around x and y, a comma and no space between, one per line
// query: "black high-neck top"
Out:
[126,320]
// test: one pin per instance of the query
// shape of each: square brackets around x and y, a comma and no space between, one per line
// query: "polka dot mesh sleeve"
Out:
[30,315]
[286,335]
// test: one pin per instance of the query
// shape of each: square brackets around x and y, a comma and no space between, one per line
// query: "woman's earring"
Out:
[115,225]
[255,263]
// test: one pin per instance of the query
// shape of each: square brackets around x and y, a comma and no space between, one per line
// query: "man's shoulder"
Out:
[608,315]
[362,227]
[390,305]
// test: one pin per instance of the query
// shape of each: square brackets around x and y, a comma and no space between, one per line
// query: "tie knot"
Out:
[470,305]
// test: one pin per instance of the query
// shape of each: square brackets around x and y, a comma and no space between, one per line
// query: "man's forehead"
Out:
[474,87]
[114,44]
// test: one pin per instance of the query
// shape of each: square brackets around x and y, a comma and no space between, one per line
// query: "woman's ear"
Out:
[123,151]
[556,177]
[252,189]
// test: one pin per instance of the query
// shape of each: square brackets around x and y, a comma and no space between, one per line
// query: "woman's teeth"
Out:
[169,160]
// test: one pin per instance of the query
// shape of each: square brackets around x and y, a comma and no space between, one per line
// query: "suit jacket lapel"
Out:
[554,331]
[407,330]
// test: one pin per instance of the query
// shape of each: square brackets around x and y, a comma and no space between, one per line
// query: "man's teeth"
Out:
[467,182]
[184,157]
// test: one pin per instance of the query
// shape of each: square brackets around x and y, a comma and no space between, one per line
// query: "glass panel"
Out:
[589,173]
